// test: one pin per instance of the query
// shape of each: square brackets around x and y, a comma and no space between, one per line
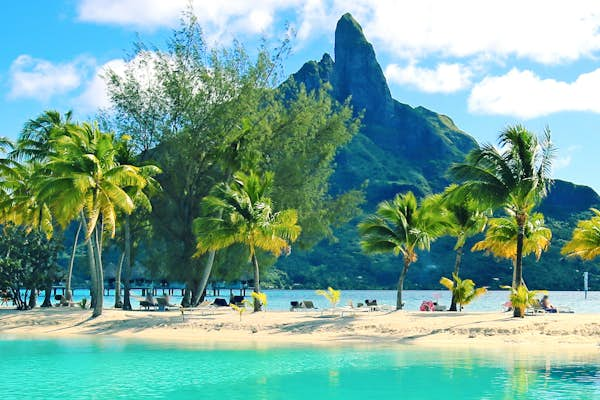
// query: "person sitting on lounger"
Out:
[547,306]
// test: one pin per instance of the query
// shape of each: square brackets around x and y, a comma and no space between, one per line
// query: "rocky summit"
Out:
[403,147]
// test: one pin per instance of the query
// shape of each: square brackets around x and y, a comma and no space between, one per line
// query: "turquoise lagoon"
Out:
[109,368]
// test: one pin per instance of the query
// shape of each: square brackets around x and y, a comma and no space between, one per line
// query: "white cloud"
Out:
[564,159]
[547,31]
[39,79]
[95,94]
[526,95]
[445,78]
[220,19]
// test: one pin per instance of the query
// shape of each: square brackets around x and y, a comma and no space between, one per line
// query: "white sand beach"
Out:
[550,331]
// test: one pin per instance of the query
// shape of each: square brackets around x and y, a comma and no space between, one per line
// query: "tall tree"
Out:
[466,219]
[86,182]
[34,147]
[133,226]
[516,177]
[403,227]
[202,113]
[243,213]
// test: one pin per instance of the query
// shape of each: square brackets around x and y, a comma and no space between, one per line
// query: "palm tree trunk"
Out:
[32,299]
[92,265]
[399,304]
[459,253]
[127,265]
[118,302]
[47,296]
[210,259]
[257,305]
[99,275]
[518,273]
[68,291]
[187,296]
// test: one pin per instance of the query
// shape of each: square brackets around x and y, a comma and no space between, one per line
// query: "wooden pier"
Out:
[161,288]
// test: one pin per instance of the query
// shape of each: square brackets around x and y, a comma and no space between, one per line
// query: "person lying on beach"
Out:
[546,305]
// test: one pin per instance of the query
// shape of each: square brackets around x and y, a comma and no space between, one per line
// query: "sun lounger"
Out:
[220,302]
[537,309]
[147,304]
[163,304]
[204,308]
[307,305]
[295,305]
[237,300]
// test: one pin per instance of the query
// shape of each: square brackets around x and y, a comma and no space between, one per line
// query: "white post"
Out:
[585,283]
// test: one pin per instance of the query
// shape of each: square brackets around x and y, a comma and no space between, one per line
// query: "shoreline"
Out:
[547,333]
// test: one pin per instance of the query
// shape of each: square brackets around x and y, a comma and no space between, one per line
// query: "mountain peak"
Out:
[358,72]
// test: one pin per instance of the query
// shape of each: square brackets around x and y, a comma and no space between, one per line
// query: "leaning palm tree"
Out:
[85,182]
[500,239]
[242,212]
[401,226]
[585,242]
[516,177]
[466,218]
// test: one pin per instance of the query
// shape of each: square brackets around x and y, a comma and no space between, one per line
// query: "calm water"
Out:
[492,301]
[114,368]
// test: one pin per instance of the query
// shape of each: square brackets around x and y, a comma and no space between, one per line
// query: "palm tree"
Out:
[22,205]
[501,235]
[35,141]
[516,177]
[585,242]
[86,182]
[463,290]
[141,198]
[242,212]
[466,218]
[35,146]
[402,227]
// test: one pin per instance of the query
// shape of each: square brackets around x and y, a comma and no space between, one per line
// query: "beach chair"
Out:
[295,305]
[307,305]
[237,300]
[163,304]
[204,308]
[146,304]
[535,309]
[220,302]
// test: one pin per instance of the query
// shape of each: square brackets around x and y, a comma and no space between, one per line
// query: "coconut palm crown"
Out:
[500,238]
[242,212]
[585,242]
[401,226]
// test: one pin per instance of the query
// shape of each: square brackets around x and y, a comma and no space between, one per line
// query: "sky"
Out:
[484,64]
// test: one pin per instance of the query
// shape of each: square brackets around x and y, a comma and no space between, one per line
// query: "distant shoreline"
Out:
[549,332]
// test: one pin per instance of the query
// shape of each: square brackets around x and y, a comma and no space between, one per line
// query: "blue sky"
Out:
[483,64]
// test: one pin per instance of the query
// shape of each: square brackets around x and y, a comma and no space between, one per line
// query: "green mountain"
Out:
[402,148]
[399,147]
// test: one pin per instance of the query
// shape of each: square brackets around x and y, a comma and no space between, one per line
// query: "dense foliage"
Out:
[28,262]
